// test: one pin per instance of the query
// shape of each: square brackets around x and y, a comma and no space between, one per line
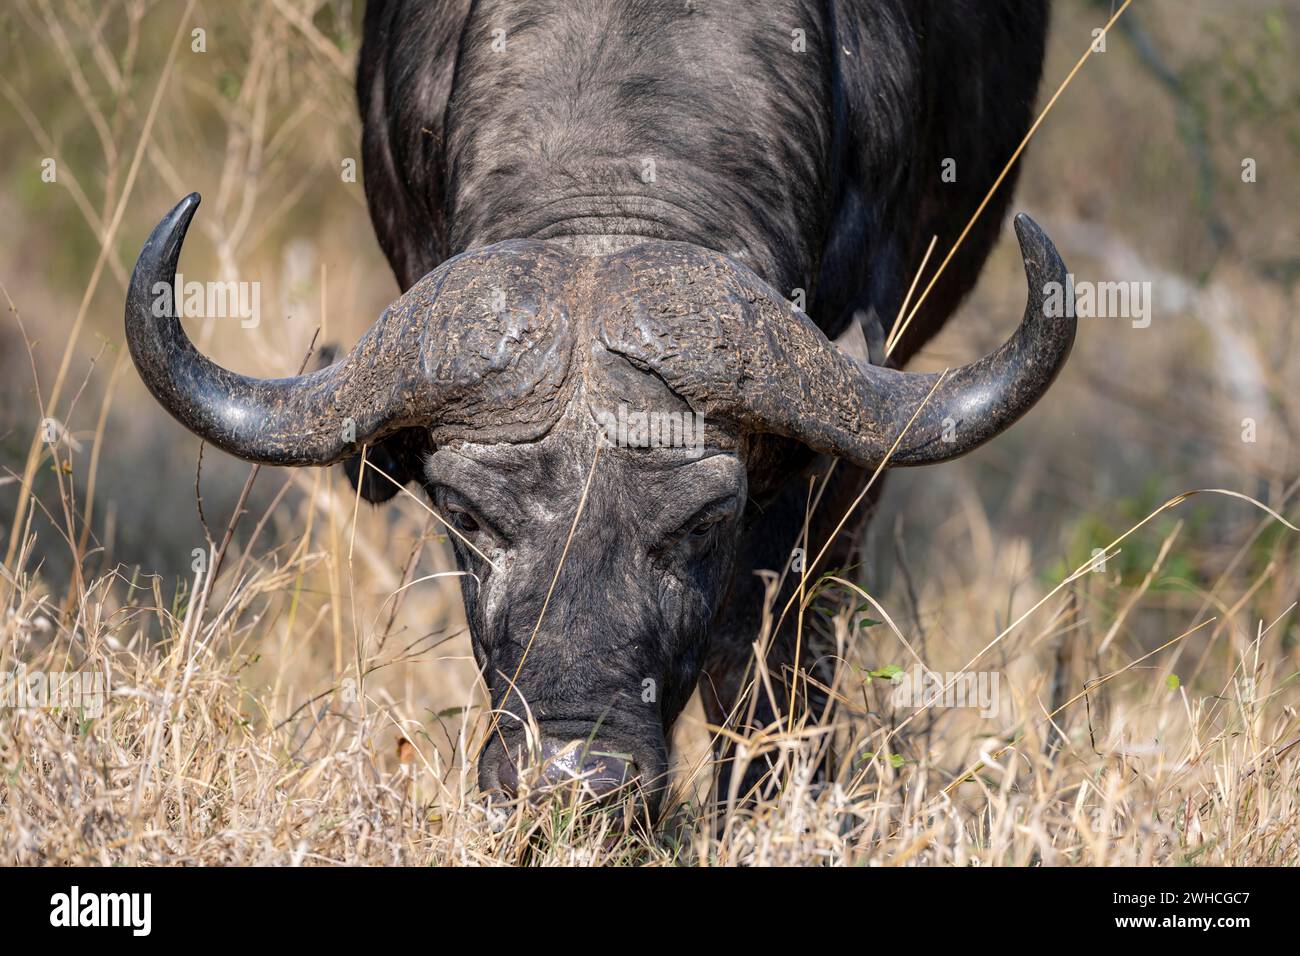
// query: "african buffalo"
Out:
[620,210]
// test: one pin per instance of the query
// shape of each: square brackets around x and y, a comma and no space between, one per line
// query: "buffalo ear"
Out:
[400,456]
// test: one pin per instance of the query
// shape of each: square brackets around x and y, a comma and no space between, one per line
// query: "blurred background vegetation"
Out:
[1137,174]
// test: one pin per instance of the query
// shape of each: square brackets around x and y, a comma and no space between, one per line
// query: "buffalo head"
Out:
[523,385]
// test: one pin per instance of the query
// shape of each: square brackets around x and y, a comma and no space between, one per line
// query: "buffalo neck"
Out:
[598,126]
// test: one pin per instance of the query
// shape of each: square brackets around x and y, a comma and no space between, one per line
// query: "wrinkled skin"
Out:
[619,648]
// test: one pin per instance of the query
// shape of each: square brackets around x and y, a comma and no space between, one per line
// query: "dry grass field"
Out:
[289,676]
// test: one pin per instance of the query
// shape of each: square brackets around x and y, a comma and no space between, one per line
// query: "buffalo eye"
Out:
[705,522]
[462,519]
[705,525]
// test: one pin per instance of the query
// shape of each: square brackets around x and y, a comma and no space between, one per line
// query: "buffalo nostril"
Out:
[579,764]
[604,774]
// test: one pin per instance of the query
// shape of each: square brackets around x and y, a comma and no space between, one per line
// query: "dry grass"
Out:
[316,701]
[228,738]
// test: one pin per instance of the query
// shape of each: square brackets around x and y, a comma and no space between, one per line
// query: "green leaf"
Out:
[888,672]
[895,760]
[228,85]
[1172,682]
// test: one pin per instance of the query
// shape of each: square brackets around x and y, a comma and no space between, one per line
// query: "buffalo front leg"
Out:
[743,699]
